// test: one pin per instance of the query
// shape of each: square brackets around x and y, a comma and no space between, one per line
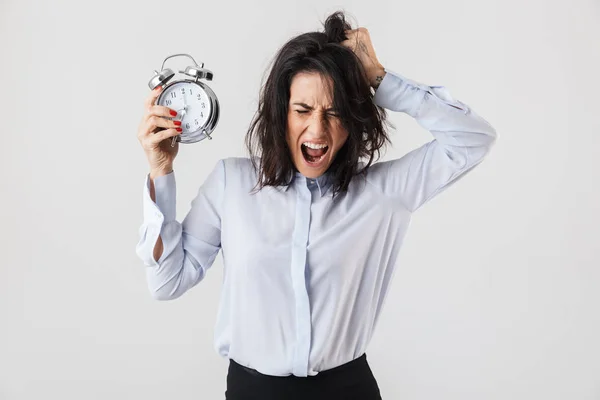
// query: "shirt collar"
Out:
[323,182]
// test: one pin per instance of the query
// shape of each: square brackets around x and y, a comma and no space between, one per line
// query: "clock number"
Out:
[203,105]
[173,94]
[201,114]
[168,102]
[187,126]
[199,96]
[197,123]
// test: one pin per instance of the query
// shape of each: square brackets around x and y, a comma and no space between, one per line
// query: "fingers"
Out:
[360,29]
[352,38]
[156,116]
[162,135]
[151,98]
[153,109]
[160,111]
[360,33]
[154,122]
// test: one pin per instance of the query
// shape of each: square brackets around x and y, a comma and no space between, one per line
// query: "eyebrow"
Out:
[309,107]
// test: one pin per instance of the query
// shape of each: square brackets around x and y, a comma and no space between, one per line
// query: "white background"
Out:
[496,295]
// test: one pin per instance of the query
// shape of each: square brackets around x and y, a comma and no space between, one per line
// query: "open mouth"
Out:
[313,155]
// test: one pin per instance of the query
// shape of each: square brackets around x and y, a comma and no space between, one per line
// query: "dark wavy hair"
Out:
[319,52]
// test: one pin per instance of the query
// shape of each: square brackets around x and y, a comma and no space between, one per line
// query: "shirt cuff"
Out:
[398,93]
[163,209]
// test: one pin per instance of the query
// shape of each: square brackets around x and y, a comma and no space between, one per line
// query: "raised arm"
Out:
[189,248]
[461,140]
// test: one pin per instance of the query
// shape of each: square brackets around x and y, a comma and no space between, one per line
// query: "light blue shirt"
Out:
[305,276]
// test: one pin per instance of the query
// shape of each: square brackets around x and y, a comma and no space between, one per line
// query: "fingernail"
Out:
[158,88]
[178,129]
[178,123]
[173,112]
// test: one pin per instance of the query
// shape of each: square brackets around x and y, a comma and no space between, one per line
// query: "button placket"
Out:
[298,267]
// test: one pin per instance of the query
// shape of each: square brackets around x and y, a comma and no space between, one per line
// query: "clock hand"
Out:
[184,103]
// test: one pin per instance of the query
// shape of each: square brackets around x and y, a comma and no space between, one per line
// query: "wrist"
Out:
[376,76]
[154,173]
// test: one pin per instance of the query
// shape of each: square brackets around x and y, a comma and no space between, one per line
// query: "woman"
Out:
[309,227]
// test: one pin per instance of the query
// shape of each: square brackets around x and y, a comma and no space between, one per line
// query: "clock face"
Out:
[191,103]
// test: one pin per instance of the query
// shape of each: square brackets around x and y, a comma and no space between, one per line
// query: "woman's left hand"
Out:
[359,41]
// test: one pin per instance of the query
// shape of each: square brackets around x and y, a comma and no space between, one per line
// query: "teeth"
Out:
[314,145]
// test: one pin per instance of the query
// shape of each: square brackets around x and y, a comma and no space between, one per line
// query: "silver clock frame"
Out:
[195,73]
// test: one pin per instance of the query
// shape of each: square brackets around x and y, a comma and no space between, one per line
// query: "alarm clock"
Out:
[196,104]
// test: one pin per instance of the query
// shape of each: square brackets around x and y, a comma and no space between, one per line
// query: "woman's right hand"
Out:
[155,134]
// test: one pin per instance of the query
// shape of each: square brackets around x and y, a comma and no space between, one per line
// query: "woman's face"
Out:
[311,122]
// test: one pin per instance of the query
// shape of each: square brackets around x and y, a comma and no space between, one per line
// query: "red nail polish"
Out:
[173,112]
[158,88]
[178,129]
[177,123]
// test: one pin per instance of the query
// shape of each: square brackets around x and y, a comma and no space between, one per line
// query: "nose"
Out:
[318,123]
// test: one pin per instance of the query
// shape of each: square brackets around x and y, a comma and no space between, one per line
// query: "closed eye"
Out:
[304,112]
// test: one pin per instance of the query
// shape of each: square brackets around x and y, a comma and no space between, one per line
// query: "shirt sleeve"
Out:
[189,247]
[461,140]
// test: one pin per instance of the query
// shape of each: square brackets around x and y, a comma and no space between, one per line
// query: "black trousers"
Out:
[351,381]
